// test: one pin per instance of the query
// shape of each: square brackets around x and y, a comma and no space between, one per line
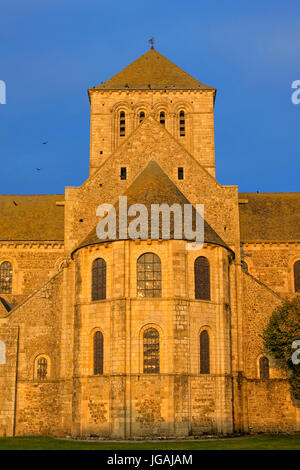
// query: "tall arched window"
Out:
[264,368]
[202,278]
[297,276]
[98,353]
[42,368]
[2,352]
[151,351]
[181,124]
[122,124]
[99,279]
[162,118]
[204,352]
[142,116]
[149,276]
[6,272]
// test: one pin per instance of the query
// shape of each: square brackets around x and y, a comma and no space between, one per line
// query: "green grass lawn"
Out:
[261,442]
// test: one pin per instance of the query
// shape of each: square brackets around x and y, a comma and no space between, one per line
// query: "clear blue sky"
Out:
[51,51]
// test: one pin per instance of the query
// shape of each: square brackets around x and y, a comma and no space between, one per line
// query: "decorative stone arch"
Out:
[40,365]
[115,122]
[2,352]
[212,368]
[187,139]
[91,350]
[14,264]
[161,346]
[141,107]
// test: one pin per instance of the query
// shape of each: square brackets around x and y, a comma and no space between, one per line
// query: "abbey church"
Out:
[124,338]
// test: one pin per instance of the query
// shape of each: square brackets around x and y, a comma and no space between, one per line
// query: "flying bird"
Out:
[44,143]
[38,169]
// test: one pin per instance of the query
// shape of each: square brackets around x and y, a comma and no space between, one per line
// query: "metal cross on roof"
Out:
[151,41]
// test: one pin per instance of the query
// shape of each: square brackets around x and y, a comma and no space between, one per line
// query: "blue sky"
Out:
[52,51]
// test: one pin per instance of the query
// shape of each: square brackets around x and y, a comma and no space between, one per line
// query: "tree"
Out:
[283,329]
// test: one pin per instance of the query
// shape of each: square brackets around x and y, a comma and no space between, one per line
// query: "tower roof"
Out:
[152,71]
[153,186]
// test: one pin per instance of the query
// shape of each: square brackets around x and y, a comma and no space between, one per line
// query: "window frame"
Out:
[95,298]
[197,277]
[143,276]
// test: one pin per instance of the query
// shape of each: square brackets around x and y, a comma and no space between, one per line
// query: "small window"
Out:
[6,273]
[204,352]
[149,276]
[264,368]
[244,266]
[98,353]
[123,174]
[181,124]
[2,352]
[202,278]
[151,351]
[180,173]
[142,116]
[162,118]
[99,279]
[122,124]
[42,368]
[297,276]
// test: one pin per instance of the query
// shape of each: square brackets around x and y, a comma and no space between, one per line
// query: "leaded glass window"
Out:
[149,276]
[6,277]
[204,352]
[99,279]
[98,353]
[202,278]
[151,351]
[264,368]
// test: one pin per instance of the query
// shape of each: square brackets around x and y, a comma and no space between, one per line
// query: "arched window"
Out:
[202,278]
[2,352]
[6,277]
[98,353]
[264,368]
[142,116]
[297,276]
[181,124]
[204,352]
[42,368]
[149,276]
[122,123]
[162,118]
[151,351]
[99,279]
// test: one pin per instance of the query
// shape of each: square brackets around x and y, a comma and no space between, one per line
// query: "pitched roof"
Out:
[32,218]
[152,71]
[153,186]
[269,216]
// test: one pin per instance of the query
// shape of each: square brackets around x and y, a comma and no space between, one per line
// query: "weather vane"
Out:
[151,41]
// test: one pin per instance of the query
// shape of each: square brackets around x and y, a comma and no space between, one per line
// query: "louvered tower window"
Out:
[142,116]
[149,276]
[6,272]
[122,124]
[204,352]
[181,124]
[264,368]
[99,279]
[42,368]
[202,278]
[162,118]
[297,276]
[98,353]
[151,351]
